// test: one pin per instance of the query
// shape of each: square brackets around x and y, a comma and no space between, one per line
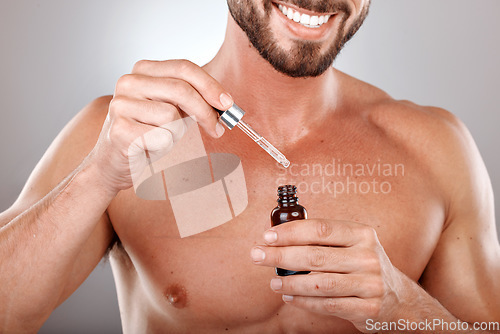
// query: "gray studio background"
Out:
[57,55]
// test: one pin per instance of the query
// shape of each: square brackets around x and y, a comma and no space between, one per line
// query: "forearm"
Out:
[38,248]
[424,314]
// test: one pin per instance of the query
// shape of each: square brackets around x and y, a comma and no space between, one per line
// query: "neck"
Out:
[277,105]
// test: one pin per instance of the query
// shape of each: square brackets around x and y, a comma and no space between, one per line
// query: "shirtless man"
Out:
[426,250]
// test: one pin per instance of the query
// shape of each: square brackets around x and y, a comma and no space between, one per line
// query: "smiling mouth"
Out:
[308,20]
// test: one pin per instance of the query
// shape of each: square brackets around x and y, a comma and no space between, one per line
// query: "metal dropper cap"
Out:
[232,116]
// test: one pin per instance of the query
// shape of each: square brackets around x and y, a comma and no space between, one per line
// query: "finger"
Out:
[313,258]
[329,285]
[125,132]
[173,91]
[211,90]
[349,308]
[320,232]
[144,111]
[147,149]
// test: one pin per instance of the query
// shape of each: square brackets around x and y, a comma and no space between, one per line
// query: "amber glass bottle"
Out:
[288,209]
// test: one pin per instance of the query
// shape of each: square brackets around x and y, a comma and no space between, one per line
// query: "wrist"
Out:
[417,305]
[92,176]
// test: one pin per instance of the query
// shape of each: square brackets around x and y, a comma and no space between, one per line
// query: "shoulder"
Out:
[82,132]
[435,136]
[79,136]
[75,141]
[431,133]
[423,128]
[436,139]
[398,117]
[92,115]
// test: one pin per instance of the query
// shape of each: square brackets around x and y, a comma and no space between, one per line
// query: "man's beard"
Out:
[305,58]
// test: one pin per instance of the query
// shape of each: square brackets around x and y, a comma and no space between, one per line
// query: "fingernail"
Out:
[219,129]
[258,254]
[226,101]
[270,236]
[287,298]
[276,284]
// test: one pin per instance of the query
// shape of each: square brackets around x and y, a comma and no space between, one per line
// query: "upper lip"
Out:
[302,10]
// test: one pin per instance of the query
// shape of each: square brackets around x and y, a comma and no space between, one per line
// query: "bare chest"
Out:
[208,278]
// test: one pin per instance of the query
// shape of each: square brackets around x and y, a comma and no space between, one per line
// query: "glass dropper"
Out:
[232,117]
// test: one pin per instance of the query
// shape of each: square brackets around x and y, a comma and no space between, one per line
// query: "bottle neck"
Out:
[287,196]
[286,204]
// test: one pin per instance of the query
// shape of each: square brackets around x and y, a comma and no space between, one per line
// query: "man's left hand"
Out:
[351,276]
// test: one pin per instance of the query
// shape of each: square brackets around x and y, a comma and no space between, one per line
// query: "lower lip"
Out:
[301,32]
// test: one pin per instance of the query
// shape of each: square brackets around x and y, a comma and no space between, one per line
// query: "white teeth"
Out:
[314,21]
[304,19]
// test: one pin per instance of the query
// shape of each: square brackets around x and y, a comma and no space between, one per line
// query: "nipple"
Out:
[176,295]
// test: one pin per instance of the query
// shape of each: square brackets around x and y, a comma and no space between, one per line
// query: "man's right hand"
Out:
[154,95]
